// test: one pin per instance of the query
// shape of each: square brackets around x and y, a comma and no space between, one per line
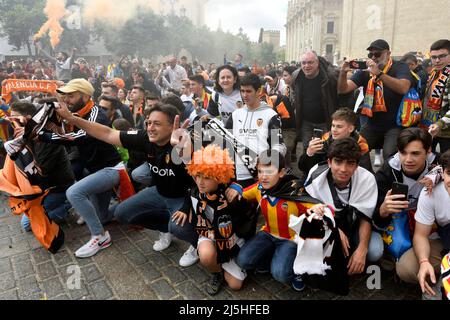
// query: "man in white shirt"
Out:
[176,74]
[425,258]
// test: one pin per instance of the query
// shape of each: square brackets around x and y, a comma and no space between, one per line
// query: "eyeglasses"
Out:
[440,57]
[309,63]
[375,54]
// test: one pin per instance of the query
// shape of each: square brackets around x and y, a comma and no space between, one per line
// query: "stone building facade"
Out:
[273,37]
[407,25]
[195,10]
[345,28]
[313,25]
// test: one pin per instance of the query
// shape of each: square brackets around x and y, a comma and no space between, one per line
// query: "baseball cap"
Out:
[379,44]
[119,83]
[78,85]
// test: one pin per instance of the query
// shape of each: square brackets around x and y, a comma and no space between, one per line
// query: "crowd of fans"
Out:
[210,155]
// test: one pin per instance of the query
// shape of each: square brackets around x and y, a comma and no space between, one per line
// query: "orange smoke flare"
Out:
[55,11]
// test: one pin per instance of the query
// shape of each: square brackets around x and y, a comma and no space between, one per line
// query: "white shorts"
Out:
[231,267]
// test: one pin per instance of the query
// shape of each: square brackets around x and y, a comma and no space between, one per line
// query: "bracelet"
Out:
[423,261]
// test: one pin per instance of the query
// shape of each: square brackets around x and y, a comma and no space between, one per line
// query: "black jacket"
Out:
[56,171]
[330,96]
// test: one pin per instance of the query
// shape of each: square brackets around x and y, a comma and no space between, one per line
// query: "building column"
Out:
[317,33]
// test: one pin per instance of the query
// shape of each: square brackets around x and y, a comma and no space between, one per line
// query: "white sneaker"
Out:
[165,239]
[80,221]
[189,258]
[94,245]
[377,161]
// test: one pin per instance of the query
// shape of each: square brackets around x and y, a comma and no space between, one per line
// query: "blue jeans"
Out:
[91,196]
[376,246]
[152,211]
[264,251]
[56,206]
[386,140]
[142,174]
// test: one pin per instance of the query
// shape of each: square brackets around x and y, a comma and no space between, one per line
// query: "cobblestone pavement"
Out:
[130,269]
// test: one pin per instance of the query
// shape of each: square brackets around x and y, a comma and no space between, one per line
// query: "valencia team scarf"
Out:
[140,110]
[436,87]
[374,100]
[81,113]
[86,109]
[445,272]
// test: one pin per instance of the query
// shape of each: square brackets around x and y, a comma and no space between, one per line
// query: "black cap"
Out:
[379,44]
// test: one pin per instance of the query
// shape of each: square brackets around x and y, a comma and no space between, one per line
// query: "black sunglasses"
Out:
[376,54]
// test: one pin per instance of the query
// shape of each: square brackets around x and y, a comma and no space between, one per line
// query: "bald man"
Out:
[176,74]
[316,99]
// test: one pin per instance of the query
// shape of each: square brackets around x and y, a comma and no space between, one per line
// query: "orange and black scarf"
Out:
[140,110]
[81,113]
[445,272]
[27,199]
[86,109]
[374,100]
[436,87]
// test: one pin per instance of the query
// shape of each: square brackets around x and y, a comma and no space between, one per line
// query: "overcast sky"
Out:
[251,15]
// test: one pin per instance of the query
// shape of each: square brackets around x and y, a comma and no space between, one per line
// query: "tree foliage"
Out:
[20,20]
[146,35]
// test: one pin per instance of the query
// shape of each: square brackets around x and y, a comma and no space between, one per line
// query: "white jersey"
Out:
[223,106]
[259,130]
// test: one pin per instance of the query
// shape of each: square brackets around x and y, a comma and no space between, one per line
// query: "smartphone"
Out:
[400,188]
[318,133]
[355,64]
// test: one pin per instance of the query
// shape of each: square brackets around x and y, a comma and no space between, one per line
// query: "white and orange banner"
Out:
[15,85]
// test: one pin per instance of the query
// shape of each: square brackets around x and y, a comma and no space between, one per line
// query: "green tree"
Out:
[266,54]
[281,55]
[20,20]
[180,33]
[145,35]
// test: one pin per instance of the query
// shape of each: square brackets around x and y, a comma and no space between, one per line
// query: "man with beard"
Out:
[385,83]
[90,196]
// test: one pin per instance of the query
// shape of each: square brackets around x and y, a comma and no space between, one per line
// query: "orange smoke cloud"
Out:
[55,11]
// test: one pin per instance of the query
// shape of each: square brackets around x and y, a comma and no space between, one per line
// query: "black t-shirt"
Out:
[385,120]
[311,100]
[171,180]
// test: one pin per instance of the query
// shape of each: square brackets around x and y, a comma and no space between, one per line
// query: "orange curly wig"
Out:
[212,162]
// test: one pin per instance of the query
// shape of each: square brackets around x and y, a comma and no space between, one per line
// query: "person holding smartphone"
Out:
[412,162]
[385,83]
[343,125]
